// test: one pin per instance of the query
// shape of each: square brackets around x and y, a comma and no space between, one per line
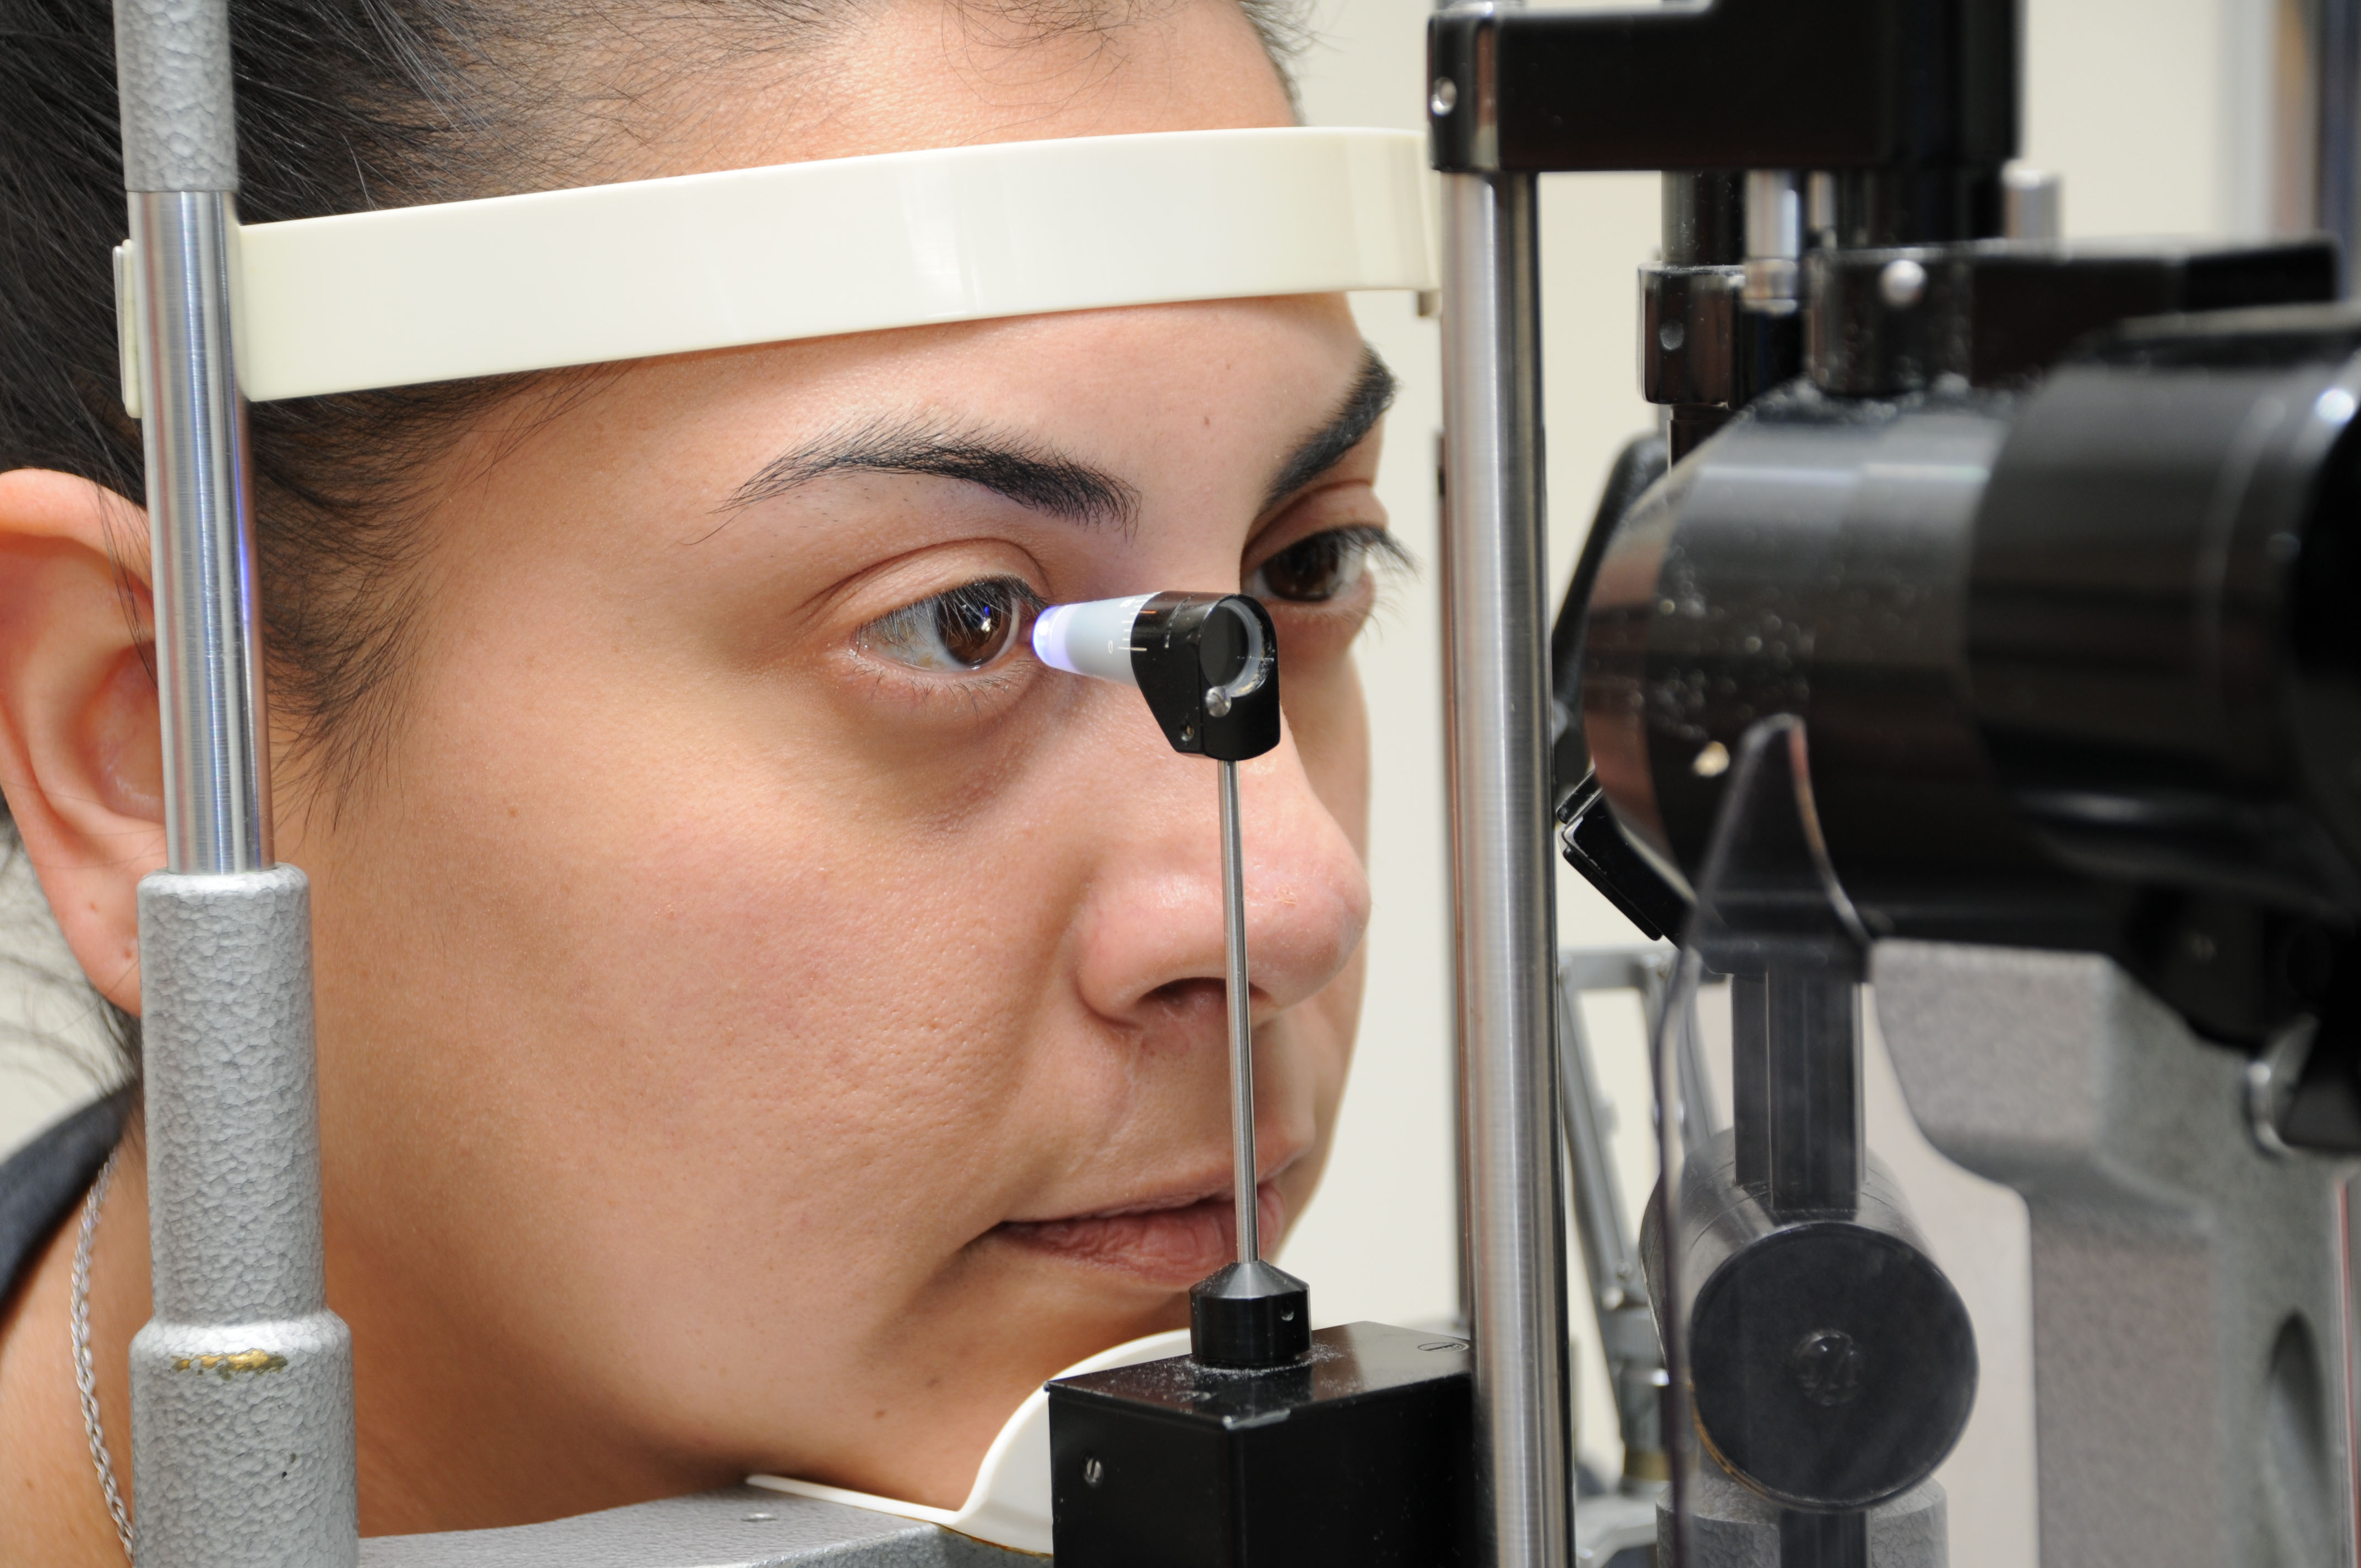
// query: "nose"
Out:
[1151,955]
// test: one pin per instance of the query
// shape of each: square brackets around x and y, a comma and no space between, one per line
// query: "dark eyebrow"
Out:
[1372,395]
[1043,481]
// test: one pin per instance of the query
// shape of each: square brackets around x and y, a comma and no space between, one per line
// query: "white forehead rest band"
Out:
[517,283]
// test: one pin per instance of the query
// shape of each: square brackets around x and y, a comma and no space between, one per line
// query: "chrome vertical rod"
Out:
[2316,112]
[2338,132]
[1243,1174]
[1495,623]
[241,1383]
[201,522]
[1608,1254]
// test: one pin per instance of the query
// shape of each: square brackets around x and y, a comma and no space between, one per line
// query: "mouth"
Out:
[1168,1244]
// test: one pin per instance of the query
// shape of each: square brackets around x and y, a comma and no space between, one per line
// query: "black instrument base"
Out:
[1358,1455]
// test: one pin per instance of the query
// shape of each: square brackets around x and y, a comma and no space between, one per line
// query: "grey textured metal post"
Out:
[1494,647]
[1242,1177]
[241,1384]
[2190,1294]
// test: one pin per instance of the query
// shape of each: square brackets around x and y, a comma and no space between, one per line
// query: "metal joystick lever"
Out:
[1208,665]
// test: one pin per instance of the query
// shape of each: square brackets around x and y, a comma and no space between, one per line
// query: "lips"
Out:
[1171,1246]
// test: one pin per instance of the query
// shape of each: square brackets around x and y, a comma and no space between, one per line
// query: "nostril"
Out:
[1184,997]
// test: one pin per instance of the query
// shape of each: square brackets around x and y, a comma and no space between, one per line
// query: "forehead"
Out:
[1194,399]
[926,73]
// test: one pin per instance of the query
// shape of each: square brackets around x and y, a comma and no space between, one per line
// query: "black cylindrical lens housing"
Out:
[2081,664]
[1208,665]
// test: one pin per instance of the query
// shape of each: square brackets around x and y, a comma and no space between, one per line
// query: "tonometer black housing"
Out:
[1208,665]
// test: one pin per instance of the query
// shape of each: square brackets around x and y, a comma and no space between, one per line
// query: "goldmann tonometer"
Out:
[1208,666]
[1265,1443]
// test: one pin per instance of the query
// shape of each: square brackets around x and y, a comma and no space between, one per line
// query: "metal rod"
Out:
[201,521]
[241,1382]
[1495,647]
[2336,104]
[2316,121]
[1696,1082]
[1608,1254]
[1241,1008]
[1619,1285]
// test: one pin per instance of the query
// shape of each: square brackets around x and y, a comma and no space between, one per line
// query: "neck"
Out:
[56,1508]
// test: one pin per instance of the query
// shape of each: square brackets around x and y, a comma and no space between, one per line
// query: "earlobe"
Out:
[81,752]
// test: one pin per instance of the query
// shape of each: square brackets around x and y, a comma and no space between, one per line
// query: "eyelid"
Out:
[871,636]
[1029,598]
[1334,473]
[1384,548]
[1333,495]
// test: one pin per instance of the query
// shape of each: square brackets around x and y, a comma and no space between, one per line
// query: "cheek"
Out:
[1328,720]
[708,957]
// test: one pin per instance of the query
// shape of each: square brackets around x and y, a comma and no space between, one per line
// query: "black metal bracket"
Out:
[1819,84]
[2000,312]
[1594,845]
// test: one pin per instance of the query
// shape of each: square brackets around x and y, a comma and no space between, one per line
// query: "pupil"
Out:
[973,628]
[1311,570]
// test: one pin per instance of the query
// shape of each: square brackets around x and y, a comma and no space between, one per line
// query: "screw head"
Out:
[1445,97]
[1094,1472]
[1829,1367]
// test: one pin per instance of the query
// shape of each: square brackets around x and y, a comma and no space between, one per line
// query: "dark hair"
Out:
[344,105]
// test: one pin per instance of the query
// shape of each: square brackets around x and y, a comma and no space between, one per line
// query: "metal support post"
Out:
[241,1384]
[1495,642]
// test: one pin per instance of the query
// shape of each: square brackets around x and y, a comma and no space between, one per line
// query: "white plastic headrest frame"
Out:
[798,251]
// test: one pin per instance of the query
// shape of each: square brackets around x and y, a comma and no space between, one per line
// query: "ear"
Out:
[81,753]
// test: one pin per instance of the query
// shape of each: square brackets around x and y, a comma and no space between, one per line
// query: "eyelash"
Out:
[1372,547]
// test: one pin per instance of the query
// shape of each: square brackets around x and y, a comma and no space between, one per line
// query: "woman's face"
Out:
[768,1020]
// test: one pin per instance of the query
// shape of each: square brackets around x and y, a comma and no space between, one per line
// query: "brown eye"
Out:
[1316,569]
[964,629]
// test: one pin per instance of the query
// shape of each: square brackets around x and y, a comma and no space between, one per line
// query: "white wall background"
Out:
[2155,110]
